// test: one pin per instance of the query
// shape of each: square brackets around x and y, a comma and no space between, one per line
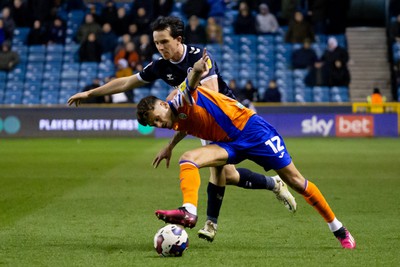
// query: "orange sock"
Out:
[190,182]
[315,198]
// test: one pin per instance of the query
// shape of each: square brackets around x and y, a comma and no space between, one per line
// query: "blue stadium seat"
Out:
[33,77]
[52,76]
[339,94]
[3,76]
[69,85]
[76,16]
[54,57]
[303,95]
[12,98]
[32,87]
[159,92]
[20,35]
[35,67]
[2,93]
[321,94]
[49,98]
[31,99]
[71,66]
[14,86]
[37,49]
[69,75]
[54,48]
[64,95]
[53,66]
[140,93]
[50,86]
[37,58]
[89,66]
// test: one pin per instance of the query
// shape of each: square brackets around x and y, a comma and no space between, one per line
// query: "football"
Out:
[171,241]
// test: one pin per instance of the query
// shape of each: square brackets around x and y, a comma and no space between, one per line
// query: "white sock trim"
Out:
[335,225]
[190,208]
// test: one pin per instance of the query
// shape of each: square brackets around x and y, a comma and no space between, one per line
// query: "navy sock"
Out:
[252,180]
[215,196]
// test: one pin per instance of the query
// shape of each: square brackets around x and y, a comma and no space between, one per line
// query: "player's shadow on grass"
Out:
[107,247]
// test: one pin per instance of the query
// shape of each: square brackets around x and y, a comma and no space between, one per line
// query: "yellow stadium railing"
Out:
[388,107]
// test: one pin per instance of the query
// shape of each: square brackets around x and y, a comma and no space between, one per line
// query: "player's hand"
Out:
[201,65]
[77,98]
[166,154]
[172,95]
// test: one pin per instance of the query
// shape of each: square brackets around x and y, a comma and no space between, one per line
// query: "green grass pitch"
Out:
[91,202]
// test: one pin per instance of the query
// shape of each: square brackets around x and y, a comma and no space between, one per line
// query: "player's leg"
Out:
[314,197]
[248,179]
[190,163]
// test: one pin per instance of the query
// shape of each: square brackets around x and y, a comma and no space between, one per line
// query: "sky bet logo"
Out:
[10,125]
[316,126]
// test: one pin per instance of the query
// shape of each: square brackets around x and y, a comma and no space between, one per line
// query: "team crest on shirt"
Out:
[239,105]
[182,116]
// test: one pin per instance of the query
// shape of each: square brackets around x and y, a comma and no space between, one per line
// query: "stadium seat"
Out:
[54,48]
[52,76]
[36,57]
[159,92]
[321,94]
[14,86]
[53,57]
[20,35]
[33,77]
[37,49]
[13,98]
[31,99]
[50,86]
[35,67]
[32,87]
[89,66]
[140,93]
[69,75]
[49,98]
[3,76]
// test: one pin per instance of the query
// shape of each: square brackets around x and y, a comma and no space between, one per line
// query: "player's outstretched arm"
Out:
[113,87]
[199,68]
[166,152]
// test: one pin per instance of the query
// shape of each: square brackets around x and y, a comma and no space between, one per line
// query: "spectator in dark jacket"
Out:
[20,13]
[90,50]
[299,30]
[57,32]
[122,21]
[199,8]
[2,33]
[318,75]
[8,23]
[38,34]
[109,14]
[272,93]
[334,52]
[339,75]
[304,57]
[8,58]
[108,39]
[195,33]
[318,13]
[245,22]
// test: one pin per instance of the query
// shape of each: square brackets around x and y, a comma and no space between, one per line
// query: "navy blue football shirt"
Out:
[174,73]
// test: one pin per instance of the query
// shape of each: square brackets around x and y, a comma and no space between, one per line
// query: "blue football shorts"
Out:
[258,142]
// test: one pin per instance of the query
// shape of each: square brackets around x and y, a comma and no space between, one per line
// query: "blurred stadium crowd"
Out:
[268,50]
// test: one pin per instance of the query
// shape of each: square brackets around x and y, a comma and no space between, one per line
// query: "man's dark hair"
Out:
[143,107]
[174,23]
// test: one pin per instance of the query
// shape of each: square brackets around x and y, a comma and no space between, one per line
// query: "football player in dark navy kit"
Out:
[177,59]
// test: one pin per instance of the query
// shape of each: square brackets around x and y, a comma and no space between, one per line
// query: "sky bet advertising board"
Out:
[121,121]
